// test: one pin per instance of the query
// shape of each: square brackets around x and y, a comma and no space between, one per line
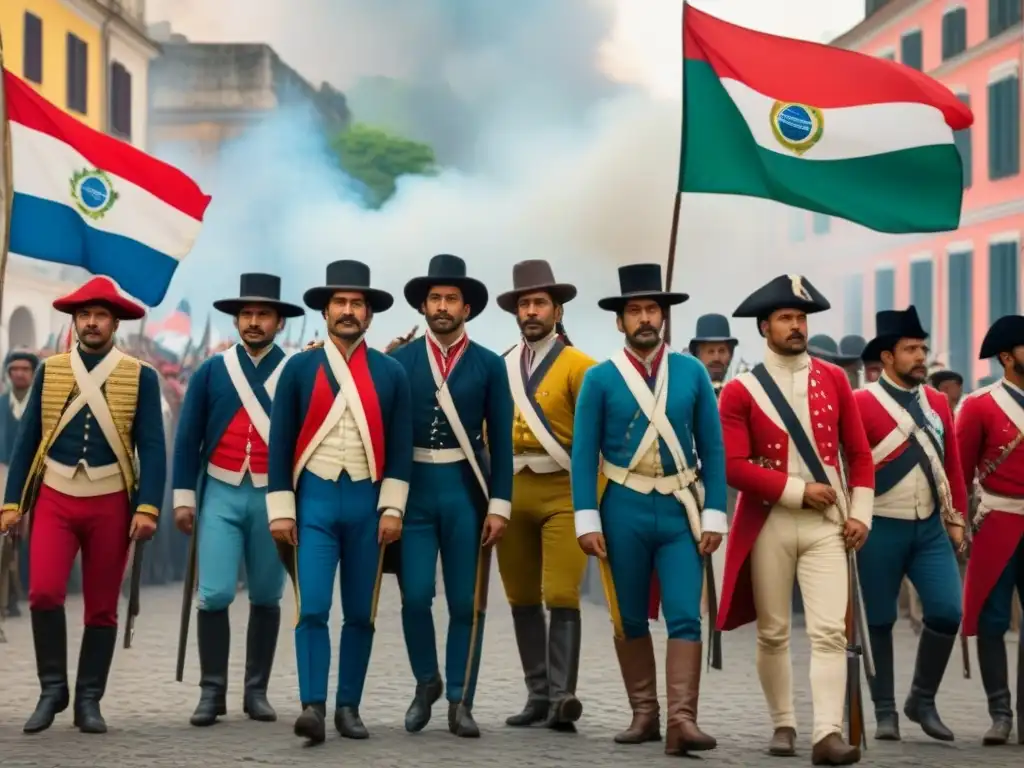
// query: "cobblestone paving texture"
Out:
[148,711]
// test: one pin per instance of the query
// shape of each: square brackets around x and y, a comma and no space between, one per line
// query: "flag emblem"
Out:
[93,193]
[797,127]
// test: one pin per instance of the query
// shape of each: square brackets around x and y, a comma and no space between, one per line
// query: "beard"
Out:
[347,328]
[443,323]
[645,337]
[915,377]
[92,340]
[259,343]
[1018,368]
[535,330]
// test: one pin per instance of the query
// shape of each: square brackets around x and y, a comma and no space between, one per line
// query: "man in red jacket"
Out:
[788,424]
[920,505]
[990,431]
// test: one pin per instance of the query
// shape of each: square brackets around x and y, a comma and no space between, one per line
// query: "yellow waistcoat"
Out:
[556,394]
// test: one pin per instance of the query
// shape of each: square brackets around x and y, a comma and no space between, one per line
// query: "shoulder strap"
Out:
[789,419]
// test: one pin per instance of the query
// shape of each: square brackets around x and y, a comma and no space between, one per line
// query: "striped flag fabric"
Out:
[820,128]
[174,331]
[86,199]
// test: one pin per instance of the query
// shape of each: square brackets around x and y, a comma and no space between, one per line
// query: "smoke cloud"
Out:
[551,158]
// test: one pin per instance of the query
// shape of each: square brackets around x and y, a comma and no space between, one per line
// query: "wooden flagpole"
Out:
[6,182]
[670,268]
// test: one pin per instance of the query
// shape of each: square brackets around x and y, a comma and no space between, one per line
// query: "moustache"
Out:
[797,336]
[646,329]
[254,330]
[441,316]
[346,320]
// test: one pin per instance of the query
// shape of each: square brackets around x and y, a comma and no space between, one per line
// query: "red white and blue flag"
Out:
[88,200]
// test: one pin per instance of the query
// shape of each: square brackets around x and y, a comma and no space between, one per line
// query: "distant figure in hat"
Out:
[222,437]
[990,433]
[851,347]
[461,491]
[920,506]
[539,558]
[339,463]
[93,418]
[951,384]
[651,414]
[872,365]
[19,369]
[789,423]
[714,346]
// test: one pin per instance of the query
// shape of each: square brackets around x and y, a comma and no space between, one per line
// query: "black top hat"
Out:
[348,275]
[1006,333]
[258,288]
[641,281]
[712,329]
[891,325]
[852,346]
[535,275]
[784,292]
[445,269]
[21,356]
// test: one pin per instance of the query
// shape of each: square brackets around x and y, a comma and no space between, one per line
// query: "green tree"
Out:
[378,159]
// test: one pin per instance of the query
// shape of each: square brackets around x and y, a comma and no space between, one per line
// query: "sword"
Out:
[135,555]
[376,585]
[188,590]
[611,599]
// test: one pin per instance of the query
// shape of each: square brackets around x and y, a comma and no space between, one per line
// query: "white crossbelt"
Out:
[438,456]
[539,463]
[993,502]
[645,484]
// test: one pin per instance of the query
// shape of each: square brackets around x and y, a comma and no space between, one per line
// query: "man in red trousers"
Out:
[89,466]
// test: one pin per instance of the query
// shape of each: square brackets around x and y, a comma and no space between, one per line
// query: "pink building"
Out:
[959,281]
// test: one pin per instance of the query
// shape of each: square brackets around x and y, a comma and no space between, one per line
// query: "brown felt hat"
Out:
[531,276]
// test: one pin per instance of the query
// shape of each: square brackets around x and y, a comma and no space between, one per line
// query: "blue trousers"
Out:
[233,527]
[337,523]
[441,519]
[996,612]
[644,533]
[921,551]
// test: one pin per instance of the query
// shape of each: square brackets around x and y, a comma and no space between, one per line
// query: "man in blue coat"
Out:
[461,487]
[221,445]
[340,463]
[646,411]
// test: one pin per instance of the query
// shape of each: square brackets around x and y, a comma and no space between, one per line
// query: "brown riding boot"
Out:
[636,660]
[832,750]
[682,681]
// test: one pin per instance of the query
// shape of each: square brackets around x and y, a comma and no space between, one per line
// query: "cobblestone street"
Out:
[148,712]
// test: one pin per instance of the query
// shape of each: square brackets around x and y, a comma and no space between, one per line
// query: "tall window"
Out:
[1002,14]
[922,290]
[961,315]
[965,145]
[797,225]
[1004,127]
[820,223]
[911,49]
[120,101]
[885,289]
[32,56]
[954,33]
[1003,273]
[853,304]
[78,74]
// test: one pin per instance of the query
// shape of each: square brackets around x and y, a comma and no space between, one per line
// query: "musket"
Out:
[714,636]
[188,589]
[854,651]
[137,548]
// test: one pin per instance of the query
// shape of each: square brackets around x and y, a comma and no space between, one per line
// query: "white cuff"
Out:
[394,494]
[587,521]
[391,513]
[862,502]
[714,521]
[500,507]
[793,494]
[184,498]
[281,505]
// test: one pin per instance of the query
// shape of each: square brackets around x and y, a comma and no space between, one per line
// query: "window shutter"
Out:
[961,315]
[885,289]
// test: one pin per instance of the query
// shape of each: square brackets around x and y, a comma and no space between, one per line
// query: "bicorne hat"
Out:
[784,292]
[21,356]
[531,276]
[104,291]
[445,269]
[348,275]
[824,347]
[1006,333]
[712,329]
[258,288]
[641,281]
[891,325]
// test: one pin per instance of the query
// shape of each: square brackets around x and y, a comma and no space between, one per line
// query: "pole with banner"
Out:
[6,180]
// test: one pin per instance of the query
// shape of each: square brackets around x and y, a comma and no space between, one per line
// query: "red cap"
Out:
[101,290]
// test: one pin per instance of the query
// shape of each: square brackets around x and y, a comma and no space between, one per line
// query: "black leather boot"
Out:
[93,668]
[1020,688]
[994,676]
[532,639]
[349,724]
[883,693]
[461,722]
[311,724]
[213,630]
[933,652]
[50,637]
[418,714]
[260,646]
[563,669]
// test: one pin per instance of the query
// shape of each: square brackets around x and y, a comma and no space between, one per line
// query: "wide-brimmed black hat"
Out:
[1006,333]
[258,288]
[784,292]
[824,347]
[21,356]
[891,325]
[641,281]
[445,269]
[852,346]
[712,329]
[348,275]
[531,276]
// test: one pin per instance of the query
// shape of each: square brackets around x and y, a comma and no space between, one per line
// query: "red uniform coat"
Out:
[757,465]
[983,430]
[878,424]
